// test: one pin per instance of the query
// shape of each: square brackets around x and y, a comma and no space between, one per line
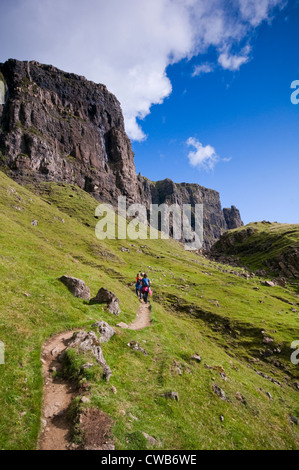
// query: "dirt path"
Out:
[58,394]
[143,319]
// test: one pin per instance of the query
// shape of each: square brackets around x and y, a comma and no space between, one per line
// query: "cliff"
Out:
[57,126]
[168,192]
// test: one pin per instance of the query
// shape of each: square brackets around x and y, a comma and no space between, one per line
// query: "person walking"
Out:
[146,283]
[138,286]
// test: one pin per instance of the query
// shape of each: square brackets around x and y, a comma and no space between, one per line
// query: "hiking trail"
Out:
[143,319]
[58,392]
[58,395]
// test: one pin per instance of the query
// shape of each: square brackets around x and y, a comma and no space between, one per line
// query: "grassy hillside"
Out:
[264,245]
[196,308]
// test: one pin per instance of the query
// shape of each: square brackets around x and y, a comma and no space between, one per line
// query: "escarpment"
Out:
[58,126]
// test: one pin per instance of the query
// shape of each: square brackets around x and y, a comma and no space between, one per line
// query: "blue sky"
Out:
[215,74]
[247,116]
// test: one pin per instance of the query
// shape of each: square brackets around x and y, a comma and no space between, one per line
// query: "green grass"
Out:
[260,244]
[196,308]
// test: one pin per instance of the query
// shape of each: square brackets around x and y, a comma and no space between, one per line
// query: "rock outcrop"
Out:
[88,341]
[232,218]
[264,244]
[106,331]
[58,126]
[104,296]
[76,286]
[215,220]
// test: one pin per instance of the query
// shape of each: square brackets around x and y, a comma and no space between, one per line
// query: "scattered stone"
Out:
[221,418]
[26,294]
[122,325]
[85,400]
[51,410]
[151,440]
[125,250]
[268,283]
[219,369]
[265,376]
[88,365]
[54,351]
[105,330]
[76,286]
[171,396]
[34,223]
[135,346]
[196,358]
[241,398]
[113,390]
[219,392]
[104,296]
[268,340]
[281,281]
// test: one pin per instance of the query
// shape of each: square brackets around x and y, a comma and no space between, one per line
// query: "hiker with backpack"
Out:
[146,283]
[138,286]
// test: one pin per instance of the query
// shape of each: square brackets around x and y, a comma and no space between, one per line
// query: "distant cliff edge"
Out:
[58,126]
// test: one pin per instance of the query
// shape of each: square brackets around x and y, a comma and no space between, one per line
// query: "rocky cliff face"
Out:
[57,126]
[232,218]
[168,192]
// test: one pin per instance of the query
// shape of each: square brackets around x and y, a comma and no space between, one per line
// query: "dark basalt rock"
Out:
[58,126]
[76,286]
[232,218]
[104,296]
[214,221]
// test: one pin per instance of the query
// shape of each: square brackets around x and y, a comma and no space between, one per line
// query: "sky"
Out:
[205,86]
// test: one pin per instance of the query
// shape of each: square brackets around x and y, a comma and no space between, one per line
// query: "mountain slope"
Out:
[198,307]
[263,245]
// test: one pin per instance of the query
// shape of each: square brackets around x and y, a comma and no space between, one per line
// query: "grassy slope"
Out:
[267,242]
[196,309]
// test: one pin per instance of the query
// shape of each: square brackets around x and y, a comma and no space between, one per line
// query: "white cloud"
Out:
[255,12]
[233,62]
[202,157]
[202,69]
[127,45]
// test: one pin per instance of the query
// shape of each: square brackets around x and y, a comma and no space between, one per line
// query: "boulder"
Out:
[219,392]
[105,330]
[104,296]
[76,286]
[196,358]
[89,342]
[135,346]
[268,283]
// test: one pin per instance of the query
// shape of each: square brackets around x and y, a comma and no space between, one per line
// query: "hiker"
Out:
[146,283]
[138,286]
